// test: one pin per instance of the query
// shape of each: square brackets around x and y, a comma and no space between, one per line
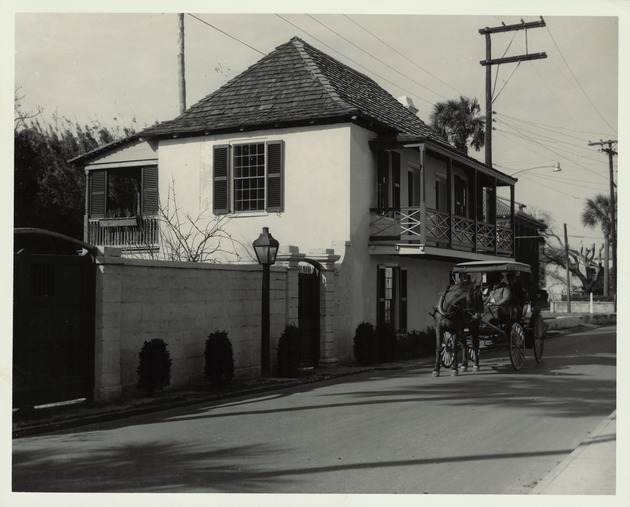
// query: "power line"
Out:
[353,61]
[399,53]
[225,33]
[377,59]
[527,138]
[552,139]
[578,83]
[550,126]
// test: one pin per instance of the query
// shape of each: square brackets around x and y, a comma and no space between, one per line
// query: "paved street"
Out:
[491,432]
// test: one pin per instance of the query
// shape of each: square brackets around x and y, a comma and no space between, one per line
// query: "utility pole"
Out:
[567,260]
[181,66]
[613,213]
[489,62]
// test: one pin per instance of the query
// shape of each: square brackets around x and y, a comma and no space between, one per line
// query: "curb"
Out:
[562,467]
[84,420]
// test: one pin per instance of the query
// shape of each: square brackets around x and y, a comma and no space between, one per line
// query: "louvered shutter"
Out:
[98,193]
[380,295]
[150,191]
[395,180]
[402,325]
[275,176]
[383,179]
[220,180]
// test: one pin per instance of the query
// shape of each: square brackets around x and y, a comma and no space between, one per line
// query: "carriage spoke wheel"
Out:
[446,351]
[539,338]
[517,346]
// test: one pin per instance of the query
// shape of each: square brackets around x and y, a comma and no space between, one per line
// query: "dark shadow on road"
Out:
[162,467]
[151,467]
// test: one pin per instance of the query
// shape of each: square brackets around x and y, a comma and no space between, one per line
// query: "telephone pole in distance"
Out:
[607,148]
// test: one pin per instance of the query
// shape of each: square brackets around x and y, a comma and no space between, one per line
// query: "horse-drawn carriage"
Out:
[489,300]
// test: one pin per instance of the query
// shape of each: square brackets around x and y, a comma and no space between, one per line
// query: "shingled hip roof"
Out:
[294,84]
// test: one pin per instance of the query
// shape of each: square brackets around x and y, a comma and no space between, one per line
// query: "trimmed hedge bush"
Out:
[154,368]
[219,359]
[365,344]
[387,338]
[415,344]
[289,351]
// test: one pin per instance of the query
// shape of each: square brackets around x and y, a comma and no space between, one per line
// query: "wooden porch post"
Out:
[449,199]
[512,221]
[473,203]
[493,211]
[423,198]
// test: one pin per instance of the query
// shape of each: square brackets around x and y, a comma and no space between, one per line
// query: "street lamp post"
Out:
[266,248]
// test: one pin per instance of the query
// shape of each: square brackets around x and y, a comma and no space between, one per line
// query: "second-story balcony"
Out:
[430,227]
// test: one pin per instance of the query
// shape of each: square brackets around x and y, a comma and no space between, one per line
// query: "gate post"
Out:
[289,256]
[107,327]
[328,305]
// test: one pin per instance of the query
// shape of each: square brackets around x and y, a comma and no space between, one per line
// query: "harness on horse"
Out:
[454,305]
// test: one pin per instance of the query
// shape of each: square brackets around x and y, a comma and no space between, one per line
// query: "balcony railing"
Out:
[442,230]
[127,233]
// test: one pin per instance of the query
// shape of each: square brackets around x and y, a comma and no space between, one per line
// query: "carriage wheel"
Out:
[446,352]
[517,346]
[539,338]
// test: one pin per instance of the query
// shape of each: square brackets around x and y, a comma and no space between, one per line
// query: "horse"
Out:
[461,305]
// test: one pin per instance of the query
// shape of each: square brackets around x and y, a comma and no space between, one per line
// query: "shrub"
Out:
[415,344]
[386,338]
[154,368]
[365,344]
[219,359]
[289,352]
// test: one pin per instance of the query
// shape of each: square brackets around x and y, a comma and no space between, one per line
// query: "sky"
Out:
[120,68]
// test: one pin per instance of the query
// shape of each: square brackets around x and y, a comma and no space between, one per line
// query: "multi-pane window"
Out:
[392,296]
[248,177]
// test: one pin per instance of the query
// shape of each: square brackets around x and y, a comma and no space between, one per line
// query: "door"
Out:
[308,314]
[53,333]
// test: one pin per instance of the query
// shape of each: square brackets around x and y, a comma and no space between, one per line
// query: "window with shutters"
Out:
[392,296]
[248,177]
[123,192]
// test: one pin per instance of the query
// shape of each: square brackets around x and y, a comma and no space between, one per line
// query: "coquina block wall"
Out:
[181,303]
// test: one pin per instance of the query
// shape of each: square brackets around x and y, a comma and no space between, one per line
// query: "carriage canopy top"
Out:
[491,266]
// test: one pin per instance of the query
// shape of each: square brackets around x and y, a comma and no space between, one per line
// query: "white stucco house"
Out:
[353,184]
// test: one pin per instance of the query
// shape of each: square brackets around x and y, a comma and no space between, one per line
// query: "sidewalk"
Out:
[589,469]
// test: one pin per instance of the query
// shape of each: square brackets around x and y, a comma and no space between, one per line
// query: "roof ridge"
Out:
[314,69]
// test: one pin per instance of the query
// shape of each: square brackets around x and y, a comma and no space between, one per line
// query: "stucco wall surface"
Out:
[180,303]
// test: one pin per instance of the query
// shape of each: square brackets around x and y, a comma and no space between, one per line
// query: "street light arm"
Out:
[556,168]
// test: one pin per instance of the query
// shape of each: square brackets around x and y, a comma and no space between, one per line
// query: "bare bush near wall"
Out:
[184,237]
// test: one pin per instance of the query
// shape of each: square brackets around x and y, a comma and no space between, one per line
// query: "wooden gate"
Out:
[308,314]
[53,326]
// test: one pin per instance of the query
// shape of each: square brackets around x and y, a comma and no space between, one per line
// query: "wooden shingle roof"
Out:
[295,84]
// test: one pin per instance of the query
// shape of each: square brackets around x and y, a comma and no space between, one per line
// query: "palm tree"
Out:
[459,122]
[597,212]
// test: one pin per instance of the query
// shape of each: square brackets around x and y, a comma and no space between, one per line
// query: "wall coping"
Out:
[107,260]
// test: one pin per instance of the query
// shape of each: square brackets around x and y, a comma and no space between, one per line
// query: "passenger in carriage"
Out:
[499,295]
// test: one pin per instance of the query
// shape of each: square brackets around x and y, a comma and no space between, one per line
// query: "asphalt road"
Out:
[490,432]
